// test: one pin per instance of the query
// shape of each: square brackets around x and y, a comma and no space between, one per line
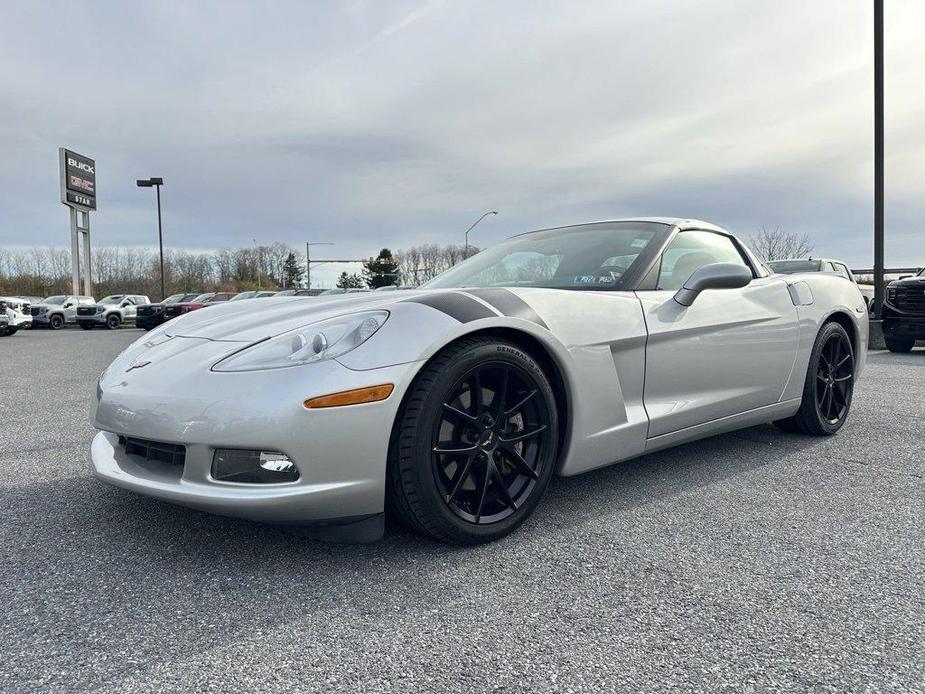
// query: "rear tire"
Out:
[895,345]
[828,387]
[113,321]
[464,468]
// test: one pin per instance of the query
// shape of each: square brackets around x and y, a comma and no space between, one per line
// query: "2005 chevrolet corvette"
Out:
[557,351]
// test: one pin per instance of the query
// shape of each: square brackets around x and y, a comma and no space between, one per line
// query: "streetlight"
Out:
[308,260]
[157,182]
[473,227]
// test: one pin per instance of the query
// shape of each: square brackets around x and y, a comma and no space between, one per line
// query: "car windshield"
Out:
[202,298]
[221,297]
[174,299]
[788,267]
[54,300]
[114,299]
[243,295]
[587,257]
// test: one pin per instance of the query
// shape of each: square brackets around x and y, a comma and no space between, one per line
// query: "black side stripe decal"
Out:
[508,303]
[459,306]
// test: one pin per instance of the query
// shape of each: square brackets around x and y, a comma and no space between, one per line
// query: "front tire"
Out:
[828,388]
[895,345]
[474,445]
[113,321]
[56,322]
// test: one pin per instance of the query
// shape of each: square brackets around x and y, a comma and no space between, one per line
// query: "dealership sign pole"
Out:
[78,192]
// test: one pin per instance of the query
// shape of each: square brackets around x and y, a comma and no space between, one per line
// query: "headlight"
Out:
[315,342]
[100,309]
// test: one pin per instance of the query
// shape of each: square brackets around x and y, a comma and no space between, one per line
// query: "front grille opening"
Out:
[157,451]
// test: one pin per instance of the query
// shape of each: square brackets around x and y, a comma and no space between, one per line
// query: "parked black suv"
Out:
[153,315]
[904,313]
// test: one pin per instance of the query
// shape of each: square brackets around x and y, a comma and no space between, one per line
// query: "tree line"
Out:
[44,271]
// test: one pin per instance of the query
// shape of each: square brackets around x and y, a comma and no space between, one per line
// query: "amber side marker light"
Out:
[357,396]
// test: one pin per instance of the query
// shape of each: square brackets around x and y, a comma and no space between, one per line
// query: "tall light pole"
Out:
[157,182]
[308,260]
[473,227]
[878,158]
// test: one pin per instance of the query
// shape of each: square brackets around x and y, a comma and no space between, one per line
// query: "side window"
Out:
[842,270]
[691,250]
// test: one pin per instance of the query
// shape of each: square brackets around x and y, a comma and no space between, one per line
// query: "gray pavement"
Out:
[753,561]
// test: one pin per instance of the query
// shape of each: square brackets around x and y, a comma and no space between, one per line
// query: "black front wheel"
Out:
[56,322]
[475,444]
[828,387]
[113,321]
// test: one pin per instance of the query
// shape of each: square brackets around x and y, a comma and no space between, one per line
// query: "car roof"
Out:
[680,222]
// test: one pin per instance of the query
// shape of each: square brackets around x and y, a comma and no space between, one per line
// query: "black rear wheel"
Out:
[899,345]
[828,387]
[475,444]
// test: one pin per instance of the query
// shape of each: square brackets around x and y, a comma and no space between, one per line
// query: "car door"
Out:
[70,309]
[731,351]
[128,308]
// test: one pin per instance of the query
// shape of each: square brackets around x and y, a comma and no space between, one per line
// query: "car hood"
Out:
[909,281]
[249,321]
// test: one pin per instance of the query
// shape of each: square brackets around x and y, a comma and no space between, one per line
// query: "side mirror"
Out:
[67,304]
[713,276]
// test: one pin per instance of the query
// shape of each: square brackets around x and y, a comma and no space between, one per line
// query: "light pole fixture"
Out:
[156,182]
[473,227]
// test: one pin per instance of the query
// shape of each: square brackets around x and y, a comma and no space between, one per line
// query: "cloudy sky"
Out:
[371,123]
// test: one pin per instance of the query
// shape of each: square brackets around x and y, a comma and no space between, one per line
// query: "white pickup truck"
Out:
[111,311]
[17,313]
[792,266]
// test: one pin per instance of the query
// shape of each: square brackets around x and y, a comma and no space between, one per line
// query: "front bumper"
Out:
[149,322]
[96,319]
[341,452]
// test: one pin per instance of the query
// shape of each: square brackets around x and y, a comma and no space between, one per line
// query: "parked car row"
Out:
[55,312]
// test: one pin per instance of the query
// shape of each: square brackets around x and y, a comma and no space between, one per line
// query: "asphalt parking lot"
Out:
[747,562]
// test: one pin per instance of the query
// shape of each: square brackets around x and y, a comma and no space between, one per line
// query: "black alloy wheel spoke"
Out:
[515,457]
[460,478]
[522,435]
[502,487]
[466,450]
[465,416]
[482,492]
[523,401]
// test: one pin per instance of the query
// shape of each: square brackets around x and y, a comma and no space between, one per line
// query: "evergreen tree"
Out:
[346,281]
[381,271]
[292,271]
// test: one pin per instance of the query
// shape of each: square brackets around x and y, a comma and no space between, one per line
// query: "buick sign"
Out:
[78,179]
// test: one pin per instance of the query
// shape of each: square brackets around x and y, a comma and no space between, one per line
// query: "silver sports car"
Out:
[555,352]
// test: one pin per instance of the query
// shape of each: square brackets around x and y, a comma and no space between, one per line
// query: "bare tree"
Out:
[777,244]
